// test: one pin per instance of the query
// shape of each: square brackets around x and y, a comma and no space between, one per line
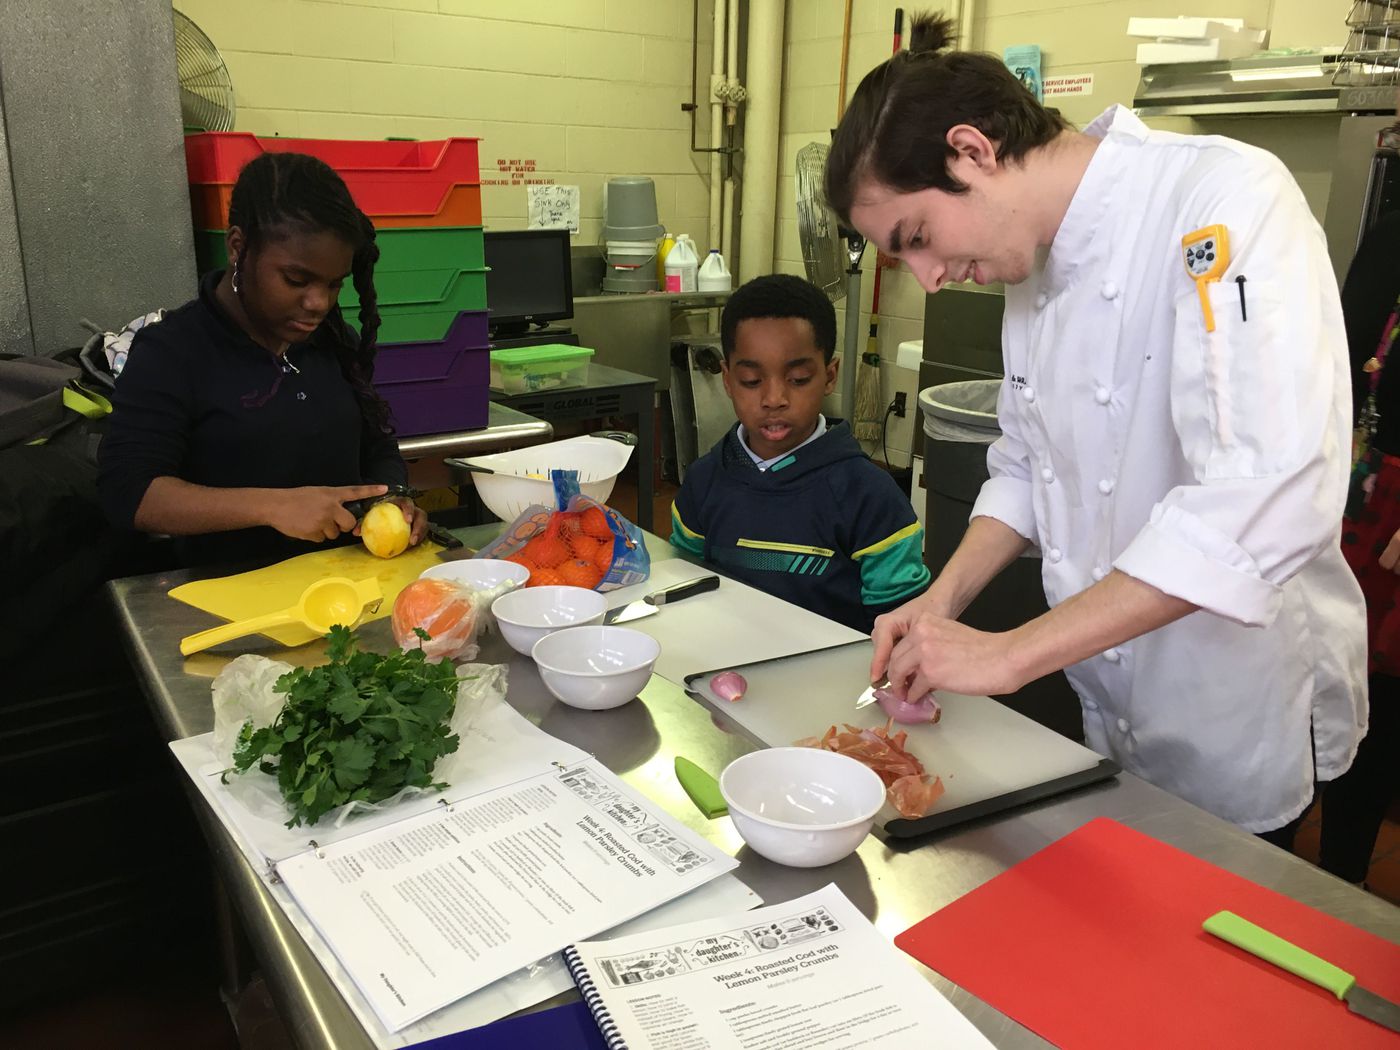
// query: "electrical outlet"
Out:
[899,404]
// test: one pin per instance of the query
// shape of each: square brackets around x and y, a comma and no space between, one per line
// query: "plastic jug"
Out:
[667,243]
[682,266]
[714,274]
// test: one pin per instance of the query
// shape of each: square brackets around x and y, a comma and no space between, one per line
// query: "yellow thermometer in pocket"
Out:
[1207,254]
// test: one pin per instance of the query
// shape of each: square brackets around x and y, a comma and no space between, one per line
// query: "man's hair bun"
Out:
[930,31]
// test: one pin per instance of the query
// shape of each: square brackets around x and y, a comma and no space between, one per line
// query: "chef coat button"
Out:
[1102,395]
[1047,474]
[1041,300]
[1054,554]
[1109,290]
[1112,655]
[1106,486]
[1089,705]
[1099,573]
[1123,725]
[1029,394]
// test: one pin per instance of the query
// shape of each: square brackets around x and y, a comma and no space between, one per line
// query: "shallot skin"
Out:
[729,685]
[908,787]
[925,710]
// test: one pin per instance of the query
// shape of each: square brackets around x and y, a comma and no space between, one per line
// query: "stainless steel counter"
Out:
[894,884]
[506,428]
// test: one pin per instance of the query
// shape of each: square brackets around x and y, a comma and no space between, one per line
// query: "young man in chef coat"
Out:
[1178,451]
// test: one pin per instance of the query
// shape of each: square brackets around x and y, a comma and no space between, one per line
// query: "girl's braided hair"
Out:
[279,193]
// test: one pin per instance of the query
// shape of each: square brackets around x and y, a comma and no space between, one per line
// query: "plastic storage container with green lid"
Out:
[525,369]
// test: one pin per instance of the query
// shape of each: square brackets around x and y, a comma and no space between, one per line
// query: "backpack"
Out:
[48,400]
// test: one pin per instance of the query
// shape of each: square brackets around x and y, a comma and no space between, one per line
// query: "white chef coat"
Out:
[1212,466]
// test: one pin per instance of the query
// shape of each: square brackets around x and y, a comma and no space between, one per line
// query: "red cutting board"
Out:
[1096,941]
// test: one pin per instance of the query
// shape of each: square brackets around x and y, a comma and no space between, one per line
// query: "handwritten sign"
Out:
[553,207]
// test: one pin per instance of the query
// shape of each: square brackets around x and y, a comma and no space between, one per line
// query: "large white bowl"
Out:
[480,574]
[527,615]
[801,806]
[522,480]
[596,668]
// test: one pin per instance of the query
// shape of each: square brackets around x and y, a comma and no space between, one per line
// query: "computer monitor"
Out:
[530,282]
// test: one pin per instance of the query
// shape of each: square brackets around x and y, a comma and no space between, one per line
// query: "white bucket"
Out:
[628,255]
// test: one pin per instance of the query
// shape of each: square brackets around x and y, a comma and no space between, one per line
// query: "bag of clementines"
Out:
[580,543]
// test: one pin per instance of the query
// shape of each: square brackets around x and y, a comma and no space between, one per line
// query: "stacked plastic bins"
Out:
[424,198]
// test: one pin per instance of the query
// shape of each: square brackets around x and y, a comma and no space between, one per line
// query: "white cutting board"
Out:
[733,623]
[979,747]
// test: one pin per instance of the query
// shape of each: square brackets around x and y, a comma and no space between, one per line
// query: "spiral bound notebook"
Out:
[592,1001]
[811,971]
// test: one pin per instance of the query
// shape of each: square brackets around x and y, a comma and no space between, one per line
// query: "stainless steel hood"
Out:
[1258,85]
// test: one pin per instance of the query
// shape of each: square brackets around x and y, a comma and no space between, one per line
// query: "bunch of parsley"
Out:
[359,728]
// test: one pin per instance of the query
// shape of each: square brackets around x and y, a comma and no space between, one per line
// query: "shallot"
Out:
[925,710]
[729,685]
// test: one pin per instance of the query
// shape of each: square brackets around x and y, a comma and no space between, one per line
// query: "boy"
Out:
[786,501]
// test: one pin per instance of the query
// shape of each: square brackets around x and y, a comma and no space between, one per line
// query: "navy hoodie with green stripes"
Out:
[823,528]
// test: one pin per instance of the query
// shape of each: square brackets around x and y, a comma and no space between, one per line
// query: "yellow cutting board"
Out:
[279,586]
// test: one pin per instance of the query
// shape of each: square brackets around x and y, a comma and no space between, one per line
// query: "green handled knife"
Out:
[1274,949]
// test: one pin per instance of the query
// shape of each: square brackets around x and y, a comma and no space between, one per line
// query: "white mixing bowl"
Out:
[596,668]
[801,806]
[480,574]
[527,615]
[522,479]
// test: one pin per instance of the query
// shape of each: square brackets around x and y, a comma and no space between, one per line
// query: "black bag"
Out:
[45,400]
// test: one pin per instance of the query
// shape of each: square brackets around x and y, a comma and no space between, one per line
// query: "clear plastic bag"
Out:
[244,693]
[448,611]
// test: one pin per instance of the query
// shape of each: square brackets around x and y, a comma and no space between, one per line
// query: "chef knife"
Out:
[651,604]
[1274,949]
[868,697]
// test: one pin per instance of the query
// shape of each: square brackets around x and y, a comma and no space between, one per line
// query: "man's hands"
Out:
[919,648]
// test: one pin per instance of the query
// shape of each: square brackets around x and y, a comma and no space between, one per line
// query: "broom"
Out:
[868,417]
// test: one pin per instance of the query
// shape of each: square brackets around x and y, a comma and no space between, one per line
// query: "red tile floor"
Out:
[1383,878]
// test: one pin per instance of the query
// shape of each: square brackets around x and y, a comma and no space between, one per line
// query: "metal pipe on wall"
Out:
[731,115]
[763,81]
[716,129]
[967,18]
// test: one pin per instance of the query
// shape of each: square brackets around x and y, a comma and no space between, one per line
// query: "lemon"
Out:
[385,530]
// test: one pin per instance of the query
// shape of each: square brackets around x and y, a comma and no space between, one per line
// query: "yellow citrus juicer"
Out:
[325,603]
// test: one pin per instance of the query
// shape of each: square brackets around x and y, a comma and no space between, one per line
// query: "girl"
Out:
[245,420]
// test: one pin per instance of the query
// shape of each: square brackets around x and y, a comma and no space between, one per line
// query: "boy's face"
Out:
[777,377]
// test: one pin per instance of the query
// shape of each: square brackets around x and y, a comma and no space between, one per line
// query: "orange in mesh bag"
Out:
[562,552]
[444,609]
[580,543]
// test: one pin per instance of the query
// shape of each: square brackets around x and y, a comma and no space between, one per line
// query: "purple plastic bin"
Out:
[438,387]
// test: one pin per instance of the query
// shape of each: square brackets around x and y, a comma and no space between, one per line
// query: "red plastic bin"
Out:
[461,206]
[385,177]
[438,387]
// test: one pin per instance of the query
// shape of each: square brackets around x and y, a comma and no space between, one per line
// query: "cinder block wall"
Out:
[94,213]
[569,91]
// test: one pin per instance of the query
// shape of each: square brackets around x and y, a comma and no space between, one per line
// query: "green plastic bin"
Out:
[525,369]
[412,311]
[410,249]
